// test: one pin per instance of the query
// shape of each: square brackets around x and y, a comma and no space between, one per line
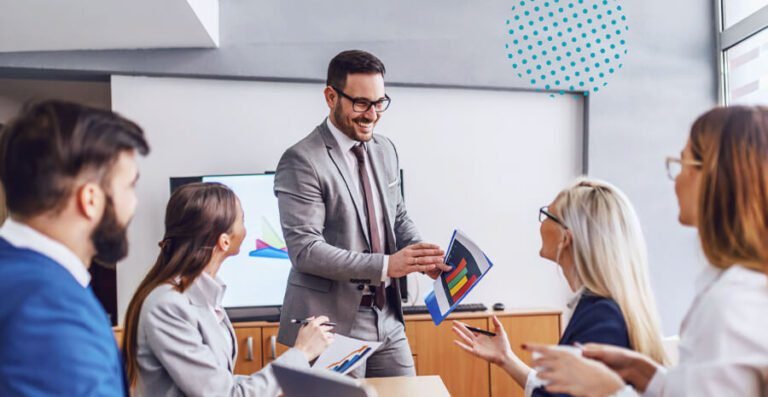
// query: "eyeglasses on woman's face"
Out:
[544,214]
[675,166]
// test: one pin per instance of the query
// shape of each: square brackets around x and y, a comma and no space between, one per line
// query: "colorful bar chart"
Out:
[463,276]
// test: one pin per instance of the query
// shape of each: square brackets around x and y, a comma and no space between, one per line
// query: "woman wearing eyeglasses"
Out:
[592,232]
[721,182]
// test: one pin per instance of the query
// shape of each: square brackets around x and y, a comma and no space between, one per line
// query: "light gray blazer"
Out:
[324,224]
[183,351]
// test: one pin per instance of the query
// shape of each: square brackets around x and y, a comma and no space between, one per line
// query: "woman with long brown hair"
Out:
[721,182]
[178,338]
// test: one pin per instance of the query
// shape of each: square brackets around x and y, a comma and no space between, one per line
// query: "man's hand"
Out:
[419,257]
[438,270]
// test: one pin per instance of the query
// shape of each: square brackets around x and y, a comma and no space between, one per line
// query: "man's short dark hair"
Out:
[351,62]
[50,143]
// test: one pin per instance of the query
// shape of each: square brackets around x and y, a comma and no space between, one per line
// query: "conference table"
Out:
[400,386]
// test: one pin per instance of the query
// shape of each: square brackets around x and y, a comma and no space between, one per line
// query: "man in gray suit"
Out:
[349,236]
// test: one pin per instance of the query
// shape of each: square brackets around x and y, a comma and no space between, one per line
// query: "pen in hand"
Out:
[480,331]
[305,322]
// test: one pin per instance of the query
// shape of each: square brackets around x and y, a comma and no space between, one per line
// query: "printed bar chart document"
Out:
[345,354]
[469,265]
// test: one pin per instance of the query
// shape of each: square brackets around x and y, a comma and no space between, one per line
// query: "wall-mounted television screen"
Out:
[257,277]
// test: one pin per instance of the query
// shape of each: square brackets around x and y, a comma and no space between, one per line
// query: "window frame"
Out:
[728,38]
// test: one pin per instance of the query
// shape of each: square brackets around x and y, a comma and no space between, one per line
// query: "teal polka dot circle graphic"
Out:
[567,45]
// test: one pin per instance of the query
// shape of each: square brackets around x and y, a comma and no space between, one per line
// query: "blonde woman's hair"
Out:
[610,257]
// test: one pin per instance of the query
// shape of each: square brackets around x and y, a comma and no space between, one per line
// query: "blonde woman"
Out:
[721,183]
[592,232]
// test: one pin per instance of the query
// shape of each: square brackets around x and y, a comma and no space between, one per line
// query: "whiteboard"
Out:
[483,161]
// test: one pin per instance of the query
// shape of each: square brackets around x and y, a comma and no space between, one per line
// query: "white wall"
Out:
[482,161]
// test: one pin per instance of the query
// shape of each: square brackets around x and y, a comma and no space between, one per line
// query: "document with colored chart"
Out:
[469,265]
[345,354]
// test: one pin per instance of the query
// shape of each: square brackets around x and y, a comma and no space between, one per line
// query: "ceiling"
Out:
[55,25]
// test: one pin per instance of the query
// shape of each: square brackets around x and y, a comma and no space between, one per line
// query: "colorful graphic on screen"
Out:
[262,264]
[269,245]
[464,275]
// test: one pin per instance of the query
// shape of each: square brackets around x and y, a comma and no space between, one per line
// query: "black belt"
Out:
[368,301]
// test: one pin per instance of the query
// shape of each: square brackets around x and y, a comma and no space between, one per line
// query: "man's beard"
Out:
[110,238]
[347,128]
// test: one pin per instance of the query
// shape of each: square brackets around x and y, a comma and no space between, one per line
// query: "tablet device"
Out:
[299,382]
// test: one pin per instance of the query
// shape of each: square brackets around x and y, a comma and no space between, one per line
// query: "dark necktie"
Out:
[373,228]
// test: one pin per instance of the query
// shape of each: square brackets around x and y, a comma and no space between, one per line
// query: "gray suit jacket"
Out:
[182,350]
[324,224]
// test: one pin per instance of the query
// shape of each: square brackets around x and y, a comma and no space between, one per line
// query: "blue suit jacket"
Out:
[56,338]
[595,320]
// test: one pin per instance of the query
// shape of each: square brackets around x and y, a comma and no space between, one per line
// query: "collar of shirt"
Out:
[708,276]
[345,143]
[22,236]
[570,306]
[575,298]
[733,275]
[208,291]
[706,280]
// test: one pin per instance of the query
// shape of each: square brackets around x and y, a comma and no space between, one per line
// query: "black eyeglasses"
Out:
[544,214]
[361,105]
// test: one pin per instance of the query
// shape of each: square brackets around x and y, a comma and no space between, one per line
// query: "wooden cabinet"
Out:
[522,329]
[270,347]
[249,349]
[434,352]
[410,333]
[463,375]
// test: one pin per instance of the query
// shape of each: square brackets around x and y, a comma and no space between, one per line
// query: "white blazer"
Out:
[723,339]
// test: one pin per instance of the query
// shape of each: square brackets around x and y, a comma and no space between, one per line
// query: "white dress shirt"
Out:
[20,235]
[723,339]
[211,290]
[346,144]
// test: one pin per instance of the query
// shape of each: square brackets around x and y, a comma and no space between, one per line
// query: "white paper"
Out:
[345,354]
